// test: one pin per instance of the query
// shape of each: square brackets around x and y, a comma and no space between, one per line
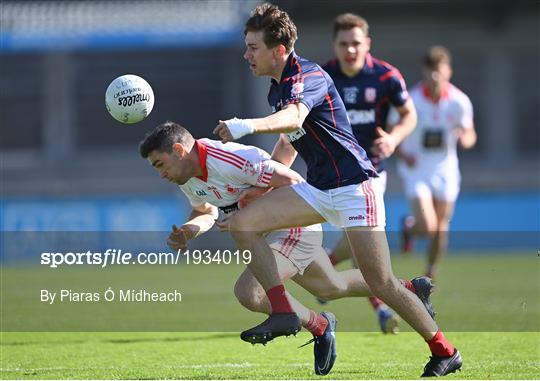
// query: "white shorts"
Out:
[443,186]
[299,245]
[380,182]
[353,205]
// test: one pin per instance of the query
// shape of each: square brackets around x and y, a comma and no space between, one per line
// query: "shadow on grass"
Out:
[127,341]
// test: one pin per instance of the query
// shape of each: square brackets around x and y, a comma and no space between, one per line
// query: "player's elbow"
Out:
[284,176]
[295,118]
[292,179]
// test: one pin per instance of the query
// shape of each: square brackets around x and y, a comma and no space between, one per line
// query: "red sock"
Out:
[439,346]
[333,259]
[317,323]
[278,300]
[375,302]
[408,285]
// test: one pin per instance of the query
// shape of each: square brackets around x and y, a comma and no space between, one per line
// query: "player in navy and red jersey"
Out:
[339,188]
[369,87]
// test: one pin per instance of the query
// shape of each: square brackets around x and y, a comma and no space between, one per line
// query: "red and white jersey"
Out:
[433,143]
[228,169]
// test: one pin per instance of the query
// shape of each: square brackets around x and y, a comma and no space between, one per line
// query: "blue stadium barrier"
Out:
[480,222]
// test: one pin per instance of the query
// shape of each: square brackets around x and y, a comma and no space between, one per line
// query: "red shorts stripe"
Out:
[294,241]
[369,204]
[286,242]
[371,194]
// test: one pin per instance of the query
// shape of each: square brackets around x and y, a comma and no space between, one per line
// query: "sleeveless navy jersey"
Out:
[325,141]
[367,97]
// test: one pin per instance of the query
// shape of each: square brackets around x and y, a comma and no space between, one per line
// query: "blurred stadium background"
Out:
[67,165]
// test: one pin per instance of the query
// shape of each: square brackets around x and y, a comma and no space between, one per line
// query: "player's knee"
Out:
[248,297]
[241,227]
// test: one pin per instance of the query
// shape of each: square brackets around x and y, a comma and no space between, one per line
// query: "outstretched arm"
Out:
[289,119]
[201,219]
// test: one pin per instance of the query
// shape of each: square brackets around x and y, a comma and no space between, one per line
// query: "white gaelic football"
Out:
[129,99]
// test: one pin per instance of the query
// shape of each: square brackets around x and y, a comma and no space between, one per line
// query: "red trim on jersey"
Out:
[327,151]
[228,157]
[266,178]
[239,159]
[299,75]
[329,100]
[369,60]
[427,94]
[201,150]
[225,159]
[317,73]
[391,73]
[384,63]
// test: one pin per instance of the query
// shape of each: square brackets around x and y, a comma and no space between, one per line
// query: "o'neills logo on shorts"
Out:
[357,218]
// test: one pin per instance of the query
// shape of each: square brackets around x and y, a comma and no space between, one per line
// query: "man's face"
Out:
[262,60]
[171,166]
[351,47]
[438,76]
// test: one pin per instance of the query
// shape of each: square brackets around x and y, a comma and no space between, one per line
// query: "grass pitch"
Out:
[223,356]
[480,299]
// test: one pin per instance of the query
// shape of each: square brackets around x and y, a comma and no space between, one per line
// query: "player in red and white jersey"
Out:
[429,166]
[213,175]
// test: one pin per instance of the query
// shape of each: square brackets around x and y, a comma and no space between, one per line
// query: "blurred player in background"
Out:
[310,115]
[369,87]
[429,163]
[213,175]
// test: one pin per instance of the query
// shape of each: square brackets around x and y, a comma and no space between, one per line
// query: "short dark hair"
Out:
[163,137]
[347,21]
[276,25]
[437,55]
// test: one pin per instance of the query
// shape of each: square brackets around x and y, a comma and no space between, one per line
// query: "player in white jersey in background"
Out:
[213,175]
[429,163]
